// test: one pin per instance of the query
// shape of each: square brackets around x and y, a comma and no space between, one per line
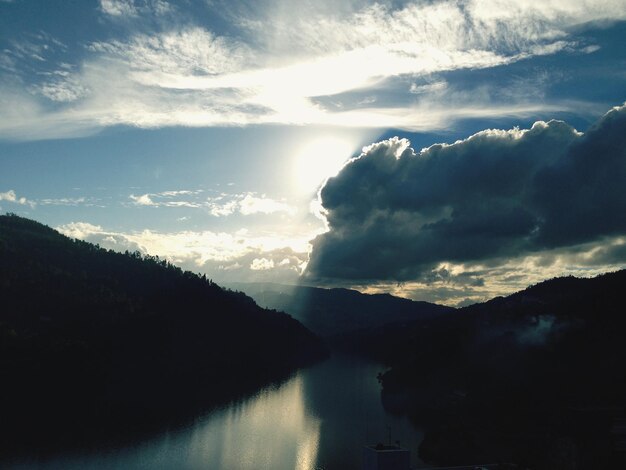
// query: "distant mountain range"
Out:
[333,312]
[93,340]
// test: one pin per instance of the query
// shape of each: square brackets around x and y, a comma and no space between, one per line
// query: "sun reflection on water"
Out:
[257,433]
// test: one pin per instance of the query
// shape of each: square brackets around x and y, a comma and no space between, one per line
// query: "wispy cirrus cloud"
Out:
[165,199]
[11,196]
[133,8]
[61,86]
[276,63]
[118,7]
[189,51]
[67,201]
[219,206]
[246,204]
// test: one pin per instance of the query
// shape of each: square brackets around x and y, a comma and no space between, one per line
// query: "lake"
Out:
[320,418]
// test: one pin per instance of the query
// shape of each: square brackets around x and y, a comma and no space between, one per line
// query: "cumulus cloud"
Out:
[262,205]
[81,230]
[142,200]
[548,192]
[261,264]
[11,196]
[227,257]
[221,207]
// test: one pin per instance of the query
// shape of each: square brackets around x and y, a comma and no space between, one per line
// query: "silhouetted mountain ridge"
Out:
[93,340]
[340,311]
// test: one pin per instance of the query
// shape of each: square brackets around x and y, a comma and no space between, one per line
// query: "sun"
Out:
[319,159]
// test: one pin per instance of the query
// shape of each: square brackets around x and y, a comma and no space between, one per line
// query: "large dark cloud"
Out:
[395,214]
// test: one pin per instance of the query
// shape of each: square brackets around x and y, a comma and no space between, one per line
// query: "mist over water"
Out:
[318,419]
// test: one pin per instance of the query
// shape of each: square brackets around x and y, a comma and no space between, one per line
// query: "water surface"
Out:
[318,419]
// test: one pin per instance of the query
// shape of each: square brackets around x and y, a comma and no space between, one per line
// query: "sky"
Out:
[447,151]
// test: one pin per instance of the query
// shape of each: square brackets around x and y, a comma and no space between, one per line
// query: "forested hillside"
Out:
[537,377]
[93,340]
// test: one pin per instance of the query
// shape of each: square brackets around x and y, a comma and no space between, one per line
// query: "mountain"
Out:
[334,312]
[536,378]
[96,342]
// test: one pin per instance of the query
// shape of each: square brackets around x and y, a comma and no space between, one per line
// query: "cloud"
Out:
[434,87]
[168,199]
[262,205]
[227,257]
[67,201]
[11,196]
[133,8]
[473,25]
[190,51]
[143,200]
[61,87]
[246,204]
[218,206]
[459,284]
[182,192]
[118,7]
[81,230]
[275,62]
[261,264]
[399,215]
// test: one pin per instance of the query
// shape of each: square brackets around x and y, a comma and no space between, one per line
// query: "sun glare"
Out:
[319,159]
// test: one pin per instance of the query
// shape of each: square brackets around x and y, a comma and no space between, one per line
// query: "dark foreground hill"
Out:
[95,343]
[538,377]
[336,312]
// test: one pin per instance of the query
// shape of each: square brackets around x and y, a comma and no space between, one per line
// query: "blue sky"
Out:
[202,130]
